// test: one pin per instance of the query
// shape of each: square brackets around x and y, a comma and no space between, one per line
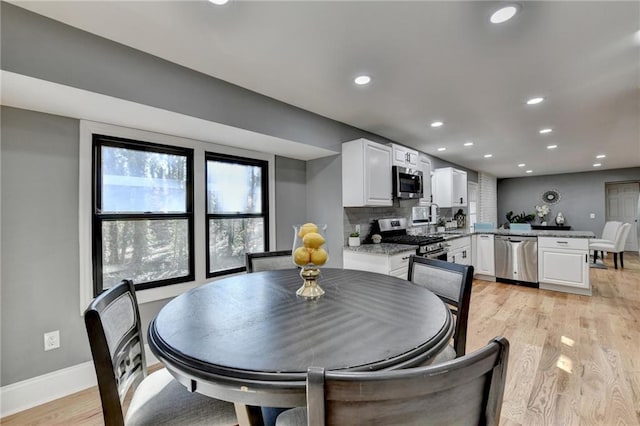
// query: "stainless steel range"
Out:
[395,231]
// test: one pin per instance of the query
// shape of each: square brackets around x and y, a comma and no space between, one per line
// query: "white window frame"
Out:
[87,129]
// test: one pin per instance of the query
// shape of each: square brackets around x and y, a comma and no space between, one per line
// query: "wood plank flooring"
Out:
[574,360]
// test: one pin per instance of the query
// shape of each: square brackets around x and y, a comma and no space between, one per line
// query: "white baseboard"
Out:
[38,390]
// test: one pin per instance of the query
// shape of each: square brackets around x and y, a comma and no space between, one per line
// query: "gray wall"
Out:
[40,175]
[40,287]
[580,194]
[39,192]
[291,194]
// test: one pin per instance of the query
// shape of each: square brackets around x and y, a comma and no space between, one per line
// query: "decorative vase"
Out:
[310,252]
[560,219]
[354,241]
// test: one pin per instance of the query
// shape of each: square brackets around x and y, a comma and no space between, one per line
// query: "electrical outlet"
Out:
[592,215]
[52,340]
[358,229]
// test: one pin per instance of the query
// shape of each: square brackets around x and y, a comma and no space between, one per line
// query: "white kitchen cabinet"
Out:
[483,255]
[404,157]
[424,166]
[563,264]
[366,174]
[459,251]
[396,265]
[450,187]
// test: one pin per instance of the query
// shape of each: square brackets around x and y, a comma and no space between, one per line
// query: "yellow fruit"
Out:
[319,257]
[313,240]
[301,256]
[306,228]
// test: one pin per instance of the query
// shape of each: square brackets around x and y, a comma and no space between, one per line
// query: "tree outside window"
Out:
[237,206]
[143,213]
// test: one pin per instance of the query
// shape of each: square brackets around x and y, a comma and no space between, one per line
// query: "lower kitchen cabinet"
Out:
[459,251]
[484,255]
[396,265]
[563,264]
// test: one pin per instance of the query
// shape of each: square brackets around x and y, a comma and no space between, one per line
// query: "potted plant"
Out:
[441,225]
[354,239]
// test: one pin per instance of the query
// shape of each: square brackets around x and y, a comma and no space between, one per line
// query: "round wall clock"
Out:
[551,196]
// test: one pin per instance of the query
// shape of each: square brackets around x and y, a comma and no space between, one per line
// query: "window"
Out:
[142,222]
[237,211]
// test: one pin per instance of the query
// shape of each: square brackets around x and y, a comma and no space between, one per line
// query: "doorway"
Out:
[622,205]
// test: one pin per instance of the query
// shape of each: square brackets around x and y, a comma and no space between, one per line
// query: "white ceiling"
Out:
[428,60]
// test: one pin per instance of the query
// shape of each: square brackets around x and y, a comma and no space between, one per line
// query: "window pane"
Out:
[144,250]
[233,188]
[230,239]
[140,181]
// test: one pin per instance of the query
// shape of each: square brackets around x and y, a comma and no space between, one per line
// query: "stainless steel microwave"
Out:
[407,183]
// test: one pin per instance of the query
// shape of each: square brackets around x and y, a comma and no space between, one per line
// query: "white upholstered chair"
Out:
[616,247]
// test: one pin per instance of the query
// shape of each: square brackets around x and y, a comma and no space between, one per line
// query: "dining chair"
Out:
[113,325]
[464,391]
[452,283]
[616,247]
[609,233]
[269,261]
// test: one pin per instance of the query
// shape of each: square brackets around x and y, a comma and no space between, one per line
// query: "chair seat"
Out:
[294,417]
[448,354]
[161,400]
[600,240]
[602,246]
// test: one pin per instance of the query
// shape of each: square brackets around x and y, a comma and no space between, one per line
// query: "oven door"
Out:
[439,255]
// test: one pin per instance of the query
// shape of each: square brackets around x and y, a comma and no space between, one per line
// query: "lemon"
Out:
[313,240]
[306,228]
[301,256]
[319,257]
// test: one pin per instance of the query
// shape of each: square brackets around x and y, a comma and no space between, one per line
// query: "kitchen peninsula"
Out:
[558,259]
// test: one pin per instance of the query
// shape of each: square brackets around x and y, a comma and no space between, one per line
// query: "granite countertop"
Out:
[533,233]
[382,248]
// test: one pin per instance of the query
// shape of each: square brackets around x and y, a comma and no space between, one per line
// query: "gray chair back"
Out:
[465,391]
[452,283]
[113,325]
[269,261]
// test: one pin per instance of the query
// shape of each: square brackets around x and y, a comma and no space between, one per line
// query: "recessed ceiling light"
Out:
[362,80]
[534,101]
[521,165]
[552,146]
[442,149]
[601,156]
[219,2]
[504,14]
[543,131]
[529,171]
[437,124]
[468,143]
[488,155]
[597,164]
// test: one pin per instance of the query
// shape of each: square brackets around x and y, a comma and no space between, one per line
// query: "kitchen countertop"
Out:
[382,248]
[533,233]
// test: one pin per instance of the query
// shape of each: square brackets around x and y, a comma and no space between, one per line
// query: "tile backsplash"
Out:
[363,216]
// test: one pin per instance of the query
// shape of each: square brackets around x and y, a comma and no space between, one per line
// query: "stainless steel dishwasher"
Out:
[517,259]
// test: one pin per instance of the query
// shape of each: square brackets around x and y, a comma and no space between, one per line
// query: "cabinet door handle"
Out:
[562,242]
[405,258]
[586,258]
[484,236]
[431,196]
[460,200]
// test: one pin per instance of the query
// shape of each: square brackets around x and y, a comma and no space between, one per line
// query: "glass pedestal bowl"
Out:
[309,252]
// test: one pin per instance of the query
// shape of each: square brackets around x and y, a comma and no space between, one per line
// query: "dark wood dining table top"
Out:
[252,328]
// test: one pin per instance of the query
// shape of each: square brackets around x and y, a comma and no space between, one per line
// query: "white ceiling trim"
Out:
[34,94]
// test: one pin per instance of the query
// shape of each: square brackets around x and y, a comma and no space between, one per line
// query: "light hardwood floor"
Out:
[574,360]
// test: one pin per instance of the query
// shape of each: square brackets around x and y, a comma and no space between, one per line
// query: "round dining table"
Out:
[250,339]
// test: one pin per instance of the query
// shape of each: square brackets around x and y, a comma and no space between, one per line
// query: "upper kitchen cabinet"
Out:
[366,174]
[424,165]
[450,187]
[405,157]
